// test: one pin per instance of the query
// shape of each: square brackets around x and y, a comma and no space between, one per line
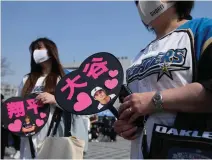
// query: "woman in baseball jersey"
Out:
[172,74]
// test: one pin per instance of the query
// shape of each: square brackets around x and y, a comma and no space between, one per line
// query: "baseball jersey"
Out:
[180,57]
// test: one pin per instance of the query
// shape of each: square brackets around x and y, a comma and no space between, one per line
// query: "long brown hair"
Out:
[36,69]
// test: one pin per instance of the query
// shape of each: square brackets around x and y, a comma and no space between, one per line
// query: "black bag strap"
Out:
[144,147]
[32,149]
[68,122]
[144,140]
[55,118]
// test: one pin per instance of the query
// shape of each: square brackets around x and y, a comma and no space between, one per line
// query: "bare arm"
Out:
[33,128]
[194,97]
[24,130]
[190,98]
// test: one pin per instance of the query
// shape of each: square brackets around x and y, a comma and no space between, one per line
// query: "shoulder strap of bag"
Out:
[67,124]
[68,121]
[32,149]
[55,118]
[144,142]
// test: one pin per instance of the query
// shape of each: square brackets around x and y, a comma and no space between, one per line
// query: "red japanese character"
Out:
[32,105]
[71,84]
[97,68]
[16,108]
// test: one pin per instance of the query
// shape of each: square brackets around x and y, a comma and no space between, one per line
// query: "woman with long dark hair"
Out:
[46,70]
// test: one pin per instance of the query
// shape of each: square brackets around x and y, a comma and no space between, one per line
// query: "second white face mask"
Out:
[150,10]
[40,56]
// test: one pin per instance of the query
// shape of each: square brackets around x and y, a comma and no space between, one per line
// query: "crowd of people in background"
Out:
[9,140]
[102,129]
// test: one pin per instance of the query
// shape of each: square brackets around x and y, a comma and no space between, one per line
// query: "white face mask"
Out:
[150,10]
[40,56]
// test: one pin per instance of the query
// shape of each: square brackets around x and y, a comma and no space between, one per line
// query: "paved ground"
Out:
[9,151]
[100,150]
[109,150]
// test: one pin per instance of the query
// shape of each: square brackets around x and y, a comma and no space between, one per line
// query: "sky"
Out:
[79,29]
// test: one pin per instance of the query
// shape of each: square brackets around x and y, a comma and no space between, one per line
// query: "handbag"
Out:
[67,147]
[182,141]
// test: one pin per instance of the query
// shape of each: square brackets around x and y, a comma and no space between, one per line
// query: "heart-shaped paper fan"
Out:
[93,87]
[23,116]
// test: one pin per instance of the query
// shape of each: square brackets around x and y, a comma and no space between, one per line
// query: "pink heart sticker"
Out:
[84,101]
[39,122]
[113,73]
[16,126]
[42,115]
[110,84]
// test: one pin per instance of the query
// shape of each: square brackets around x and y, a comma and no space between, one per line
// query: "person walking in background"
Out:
[5,138]
[94,133]
[16,145]
[172,74]
[113,134]
[94,130]
[45,72]
[106,127]
[93,119]
[4,134]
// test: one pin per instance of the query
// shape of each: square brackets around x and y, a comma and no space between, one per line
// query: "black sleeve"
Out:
[202,121]
[205,69]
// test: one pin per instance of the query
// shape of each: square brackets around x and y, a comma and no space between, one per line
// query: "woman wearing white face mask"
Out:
[172,74]
[46,70]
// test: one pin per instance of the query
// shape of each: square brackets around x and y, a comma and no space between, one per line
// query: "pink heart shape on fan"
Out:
[110,84]
[42,115]
[113,73]
[39,122]
[16,126]
[84,101]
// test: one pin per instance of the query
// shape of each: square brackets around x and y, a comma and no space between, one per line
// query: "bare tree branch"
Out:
[5,67]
